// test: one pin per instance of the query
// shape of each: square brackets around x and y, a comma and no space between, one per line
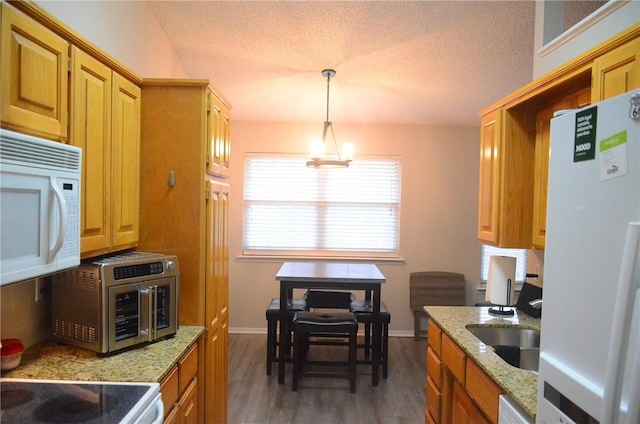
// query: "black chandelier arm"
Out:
[328,81]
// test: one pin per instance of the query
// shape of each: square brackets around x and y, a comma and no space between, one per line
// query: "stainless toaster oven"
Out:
[116,302]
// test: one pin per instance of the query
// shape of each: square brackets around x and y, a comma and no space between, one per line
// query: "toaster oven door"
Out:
[164,307]
[129,315]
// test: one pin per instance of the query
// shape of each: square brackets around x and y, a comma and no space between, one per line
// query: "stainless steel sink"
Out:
[519,347]
[507,336]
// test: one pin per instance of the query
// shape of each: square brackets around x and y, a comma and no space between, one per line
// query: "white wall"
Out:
[126,30]
[438,210]
[609,21]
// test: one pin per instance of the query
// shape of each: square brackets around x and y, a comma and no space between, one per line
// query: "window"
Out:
[519,254]
[290,209]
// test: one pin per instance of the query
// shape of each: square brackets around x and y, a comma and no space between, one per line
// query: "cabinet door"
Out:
[616,72]
[483,390]
[463,408]
[125,153]
[488,209]
[188,410]
[434,398]
[216,304]
[219,145]
[34,78]
[91,131]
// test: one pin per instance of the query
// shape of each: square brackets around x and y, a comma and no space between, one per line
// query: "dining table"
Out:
[321,275]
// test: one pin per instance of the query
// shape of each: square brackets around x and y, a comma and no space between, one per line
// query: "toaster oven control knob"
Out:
[171,266]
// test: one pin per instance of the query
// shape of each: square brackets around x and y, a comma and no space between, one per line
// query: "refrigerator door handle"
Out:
[622,319]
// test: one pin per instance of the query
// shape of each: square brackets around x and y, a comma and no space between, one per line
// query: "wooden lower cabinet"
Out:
[180,389]
[464,410]
[457,390]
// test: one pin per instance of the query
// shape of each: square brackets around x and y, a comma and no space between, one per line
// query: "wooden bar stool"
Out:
[307,324]
[363,309]
[272,313]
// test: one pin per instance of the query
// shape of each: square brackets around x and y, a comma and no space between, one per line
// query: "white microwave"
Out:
[39,206]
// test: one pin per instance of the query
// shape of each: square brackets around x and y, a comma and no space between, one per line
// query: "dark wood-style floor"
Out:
[255,398]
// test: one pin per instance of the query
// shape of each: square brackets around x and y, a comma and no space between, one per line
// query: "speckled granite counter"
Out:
[520,385]
[50,360]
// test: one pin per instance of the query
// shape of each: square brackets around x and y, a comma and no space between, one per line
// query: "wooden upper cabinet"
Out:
[616,72]
[34,77]
[125,154]
[219,140]
[91,131]
[489,179]
[105,123]
[506,178]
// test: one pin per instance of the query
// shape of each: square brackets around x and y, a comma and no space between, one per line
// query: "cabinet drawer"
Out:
[483,390]
[169,390]
[434,368]
[188,367]
[434,335]
[453,358]
[434,400]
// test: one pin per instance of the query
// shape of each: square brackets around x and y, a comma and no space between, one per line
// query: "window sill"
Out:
[297,258]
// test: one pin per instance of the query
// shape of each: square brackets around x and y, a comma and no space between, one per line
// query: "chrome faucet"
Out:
[536,304]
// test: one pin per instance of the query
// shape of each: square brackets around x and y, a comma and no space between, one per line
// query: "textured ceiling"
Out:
[419,62]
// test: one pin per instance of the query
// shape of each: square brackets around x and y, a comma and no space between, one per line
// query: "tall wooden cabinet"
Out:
[184,211]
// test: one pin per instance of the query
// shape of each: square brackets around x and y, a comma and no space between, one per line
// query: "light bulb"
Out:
[317,149]
[347,151]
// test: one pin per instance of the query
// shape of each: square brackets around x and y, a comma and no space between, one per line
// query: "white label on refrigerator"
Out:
[613,156]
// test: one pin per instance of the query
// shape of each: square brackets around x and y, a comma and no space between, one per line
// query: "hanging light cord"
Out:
[327,123]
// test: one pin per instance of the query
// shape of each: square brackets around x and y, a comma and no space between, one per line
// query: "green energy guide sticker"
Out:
[613,156]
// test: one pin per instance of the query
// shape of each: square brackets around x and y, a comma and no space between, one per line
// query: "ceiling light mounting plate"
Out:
[328,73]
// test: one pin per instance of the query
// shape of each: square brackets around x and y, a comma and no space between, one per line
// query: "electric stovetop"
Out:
[54,401]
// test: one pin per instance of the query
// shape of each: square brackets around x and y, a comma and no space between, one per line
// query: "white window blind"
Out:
[292,209]
[519,254]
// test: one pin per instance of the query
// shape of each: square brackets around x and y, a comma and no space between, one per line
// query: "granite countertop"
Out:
[50,360]
[521,385]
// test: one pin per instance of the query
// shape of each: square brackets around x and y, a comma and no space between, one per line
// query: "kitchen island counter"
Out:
[50,360]
[521,385]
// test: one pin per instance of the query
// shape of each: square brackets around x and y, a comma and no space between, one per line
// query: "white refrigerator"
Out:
[589,354]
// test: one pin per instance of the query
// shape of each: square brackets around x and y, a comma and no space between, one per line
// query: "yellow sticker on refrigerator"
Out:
[613,156]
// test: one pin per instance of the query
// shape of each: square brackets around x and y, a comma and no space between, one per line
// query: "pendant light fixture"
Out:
[341,160]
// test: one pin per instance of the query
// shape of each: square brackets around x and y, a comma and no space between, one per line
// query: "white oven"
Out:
[90,402]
